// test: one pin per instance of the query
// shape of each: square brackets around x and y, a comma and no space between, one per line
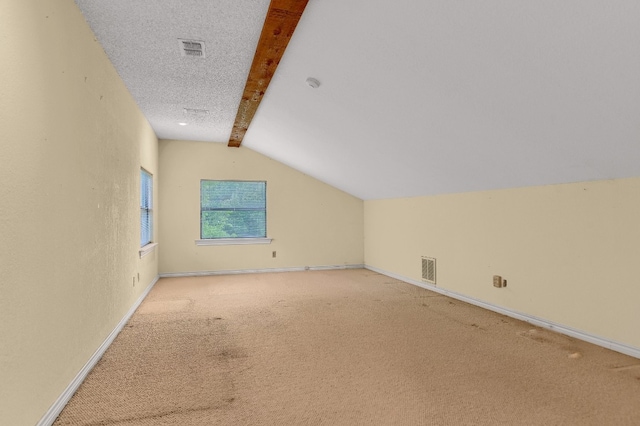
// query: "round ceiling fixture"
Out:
[182,124]
[312,82]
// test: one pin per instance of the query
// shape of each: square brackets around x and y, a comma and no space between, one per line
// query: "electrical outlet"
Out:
[497,281]
[273,253]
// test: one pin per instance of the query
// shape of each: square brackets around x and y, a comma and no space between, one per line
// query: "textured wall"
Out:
[312,224]
[569,252]
[71,146]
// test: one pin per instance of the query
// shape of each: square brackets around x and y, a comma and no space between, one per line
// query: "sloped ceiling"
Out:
[417,97]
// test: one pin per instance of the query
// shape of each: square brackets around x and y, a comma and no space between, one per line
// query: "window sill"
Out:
[147,249]
[233,241]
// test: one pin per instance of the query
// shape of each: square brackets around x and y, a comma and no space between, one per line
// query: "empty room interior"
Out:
[376,165]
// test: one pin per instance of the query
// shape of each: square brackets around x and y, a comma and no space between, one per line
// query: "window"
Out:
[233,209]
[146,208]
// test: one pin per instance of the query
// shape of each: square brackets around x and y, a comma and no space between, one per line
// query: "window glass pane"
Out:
[145,189]
[233,194]
[233,209]
[145,225]
[146,208]
[233,224]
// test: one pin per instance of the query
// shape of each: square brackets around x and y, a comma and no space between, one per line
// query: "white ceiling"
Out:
[417,97]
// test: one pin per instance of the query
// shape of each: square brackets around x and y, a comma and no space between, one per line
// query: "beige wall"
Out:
[570,253]
[311,223]
[72,145]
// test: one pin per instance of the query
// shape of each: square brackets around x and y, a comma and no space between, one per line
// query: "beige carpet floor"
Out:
[344,348]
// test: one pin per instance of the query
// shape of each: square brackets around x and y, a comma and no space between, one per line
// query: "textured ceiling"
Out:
[141,39]
[417,97]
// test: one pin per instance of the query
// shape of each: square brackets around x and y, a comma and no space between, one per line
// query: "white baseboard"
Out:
[540,322]
[54,411]
[258,271]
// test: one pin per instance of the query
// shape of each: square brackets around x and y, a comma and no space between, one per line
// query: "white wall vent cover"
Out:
[191,48]
[429,269]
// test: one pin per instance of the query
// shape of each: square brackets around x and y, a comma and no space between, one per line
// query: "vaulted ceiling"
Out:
[416,97]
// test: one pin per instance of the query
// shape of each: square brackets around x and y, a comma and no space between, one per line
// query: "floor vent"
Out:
[192,48]
[429,269]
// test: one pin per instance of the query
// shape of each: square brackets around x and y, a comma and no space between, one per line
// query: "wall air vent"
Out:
[429,269]
[192,48]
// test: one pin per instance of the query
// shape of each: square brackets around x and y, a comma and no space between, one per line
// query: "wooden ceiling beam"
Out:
[281,21]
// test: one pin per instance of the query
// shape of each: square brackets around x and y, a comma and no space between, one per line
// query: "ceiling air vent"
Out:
[192,48]
[429,269]
[196,111]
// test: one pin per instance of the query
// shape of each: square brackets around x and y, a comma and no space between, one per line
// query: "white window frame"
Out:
[231,241]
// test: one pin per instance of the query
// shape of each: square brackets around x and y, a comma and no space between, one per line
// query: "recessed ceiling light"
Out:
[182,124]
[312,82]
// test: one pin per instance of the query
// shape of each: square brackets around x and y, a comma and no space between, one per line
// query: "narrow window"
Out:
[146,208]
[233,209]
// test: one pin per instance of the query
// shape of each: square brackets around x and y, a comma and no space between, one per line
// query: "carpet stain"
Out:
[159,416]
[232,353]
[534,335]
[626,367]
[632,370]
[478,327]
[212,322]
